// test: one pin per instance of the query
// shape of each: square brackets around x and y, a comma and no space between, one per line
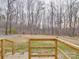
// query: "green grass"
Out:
[70,52]
[18,48]
[42,44]
[21,47]
[64,47]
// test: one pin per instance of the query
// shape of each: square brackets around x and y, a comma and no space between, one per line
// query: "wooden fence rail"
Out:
[47,47]
[57,48]
[2,48]
[68,45]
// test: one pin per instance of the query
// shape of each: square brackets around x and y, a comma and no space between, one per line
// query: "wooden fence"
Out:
[62,47]
[2,47]
[58,49]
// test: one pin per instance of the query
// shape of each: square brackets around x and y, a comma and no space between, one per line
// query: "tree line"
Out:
[40,17]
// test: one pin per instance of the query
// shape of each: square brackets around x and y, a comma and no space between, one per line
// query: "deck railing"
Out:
[5,43]
[46,46]
[62,48]
[67,49]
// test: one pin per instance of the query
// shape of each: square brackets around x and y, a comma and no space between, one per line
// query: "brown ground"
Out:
[74,40]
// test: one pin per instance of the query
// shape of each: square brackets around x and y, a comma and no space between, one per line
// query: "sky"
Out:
[3,3]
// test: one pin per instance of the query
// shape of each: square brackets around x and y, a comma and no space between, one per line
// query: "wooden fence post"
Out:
[29,57]
[2,50]
[13,48]
[56,50]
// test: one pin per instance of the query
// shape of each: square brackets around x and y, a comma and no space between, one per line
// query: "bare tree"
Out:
[9,16]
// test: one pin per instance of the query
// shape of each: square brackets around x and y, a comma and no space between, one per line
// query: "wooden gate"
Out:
[43,46]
